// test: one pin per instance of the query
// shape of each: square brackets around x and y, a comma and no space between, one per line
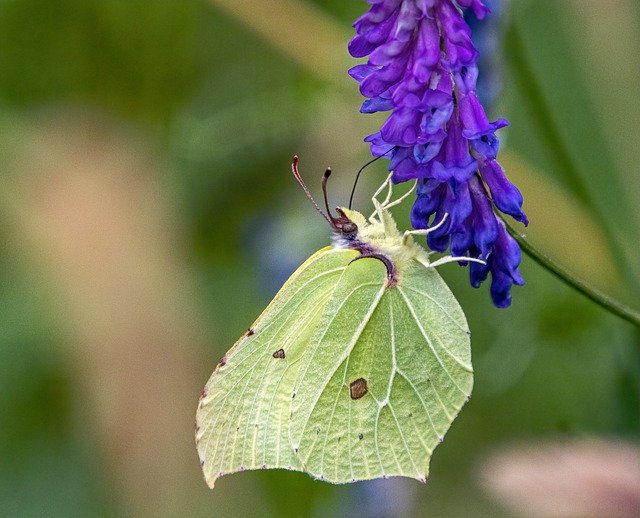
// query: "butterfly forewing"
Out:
[243,416]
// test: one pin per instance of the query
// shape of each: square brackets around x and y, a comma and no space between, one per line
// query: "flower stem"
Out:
[607,302]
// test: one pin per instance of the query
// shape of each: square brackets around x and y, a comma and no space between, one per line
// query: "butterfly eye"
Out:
[349,227]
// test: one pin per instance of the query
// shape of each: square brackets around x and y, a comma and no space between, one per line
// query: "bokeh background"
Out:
[147,215]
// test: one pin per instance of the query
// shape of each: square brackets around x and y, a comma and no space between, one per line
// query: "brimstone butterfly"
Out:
[354,371]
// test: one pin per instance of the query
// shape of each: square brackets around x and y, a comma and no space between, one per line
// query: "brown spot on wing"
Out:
[358,388]
[279,354]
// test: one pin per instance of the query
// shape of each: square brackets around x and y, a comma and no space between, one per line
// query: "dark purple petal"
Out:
[398,156]
[401,128]
[441,172]
[504,264]
[408,93]
[487,145]
[440,239]
[500,289]
[458,47]
[400,36]
[435,120]
[377,104]
[407,169]
[461,241]
[438,107]
[454,161]
[437,99]
[478,273]
[428,186]
[359,47]
[379,12]
[505,195]
[380,80]
[485,225]
[426,6]
[359,72]
[426,53]
[507,255]
[475,120]
[423,153]
[465,79]
[457,204]
[376,33]
[378,146]
[476,6]
[430,195]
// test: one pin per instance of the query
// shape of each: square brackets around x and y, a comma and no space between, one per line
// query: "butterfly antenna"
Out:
[325,178]
[296,175]
[355,182]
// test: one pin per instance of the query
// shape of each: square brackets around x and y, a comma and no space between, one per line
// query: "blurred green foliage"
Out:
[224,111]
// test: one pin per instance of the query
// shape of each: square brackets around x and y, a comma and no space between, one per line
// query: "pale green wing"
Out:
[243,417]
[383,378]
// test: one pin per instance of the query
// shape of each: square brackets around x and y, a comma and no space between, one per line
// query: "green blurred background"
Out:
[147,215]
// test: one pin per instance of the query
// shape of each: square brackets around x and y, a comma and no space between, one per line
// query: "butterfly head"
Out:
[343,226]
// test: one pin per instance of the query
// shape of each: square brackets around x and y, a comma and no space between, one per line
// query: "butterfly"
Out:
[354,371]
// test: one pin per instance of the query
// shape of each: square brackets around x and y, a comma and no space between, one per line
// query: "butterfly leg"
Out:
[453,259]
[374,199]
[424,231]
[384,185]
[388,205]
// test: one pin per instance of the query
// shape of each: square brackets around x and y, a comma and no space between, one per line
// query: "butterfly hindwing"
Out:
[243,416]
[383,378]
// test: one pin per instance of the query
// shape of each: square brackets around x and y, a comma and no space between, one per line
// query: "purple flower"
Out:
[422,66]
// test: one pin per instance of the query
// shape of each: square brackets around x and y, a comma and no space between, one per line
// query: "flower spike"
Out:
[422,67]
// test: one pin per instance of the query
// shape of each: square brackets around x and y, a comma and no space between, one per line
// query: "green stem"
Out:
[607,302]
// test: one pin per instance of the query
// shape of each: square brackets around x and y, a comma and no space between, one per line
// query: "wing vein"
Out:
[348,349]
[429,343]
[401,373]
[404,441]
[426,295]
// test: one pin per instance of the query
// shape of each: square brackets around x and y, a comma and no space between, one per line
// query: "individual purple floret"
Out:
[422,66]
